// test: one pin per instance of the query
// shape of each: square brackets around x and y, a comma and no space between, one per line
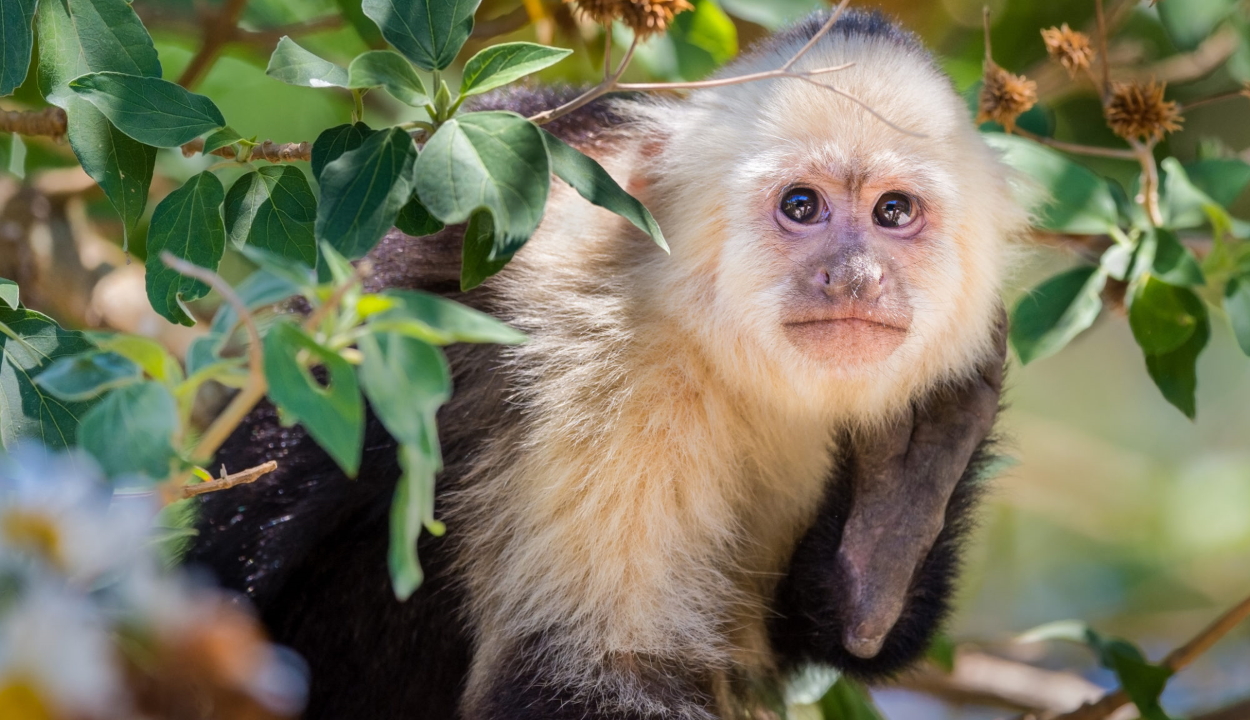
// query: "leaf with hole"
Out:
[495,161]
[501,64]
[130,431]
[387,69]
[82,36]
[430,33]
[363,190]
[1063,195]
[188,224]
[29,343]
[150,110]
[273,208]
[1163,316]
[1047,318]
[83,377]
[294,65]
[594,183]
[333,414]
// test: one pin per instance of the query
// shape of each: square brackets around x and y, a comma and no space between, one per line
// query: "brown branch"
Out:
[226,482]
[217,32]
[1185,107]
[1093,150]
[1150,180]
[1175,661]
[1236,711]
[983,679]
[49,122]
[268,150]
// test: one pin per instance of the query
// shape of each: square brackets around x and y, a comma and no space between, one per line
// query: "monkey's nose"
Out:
[864,646]
[863,283]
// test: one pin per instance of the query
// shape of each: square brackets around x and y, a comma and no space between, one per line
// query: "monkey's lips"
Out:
[847,337]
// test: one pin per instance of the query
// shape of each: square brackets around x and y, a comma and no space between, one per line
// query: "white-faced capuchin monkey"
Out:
[703,471]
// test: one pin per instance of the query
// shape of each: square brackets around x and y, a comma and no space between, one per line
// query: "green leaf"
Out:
[82,377]
[131,431]
[430,33]
[147,353]
[1142,681]
[1046,319]
[406,381]
[475,254]
[1188,23]
[847,700]
[13,155]
[1168,259]
[188,224]
[1237,305]
[1182,203]
[941,652]
[29,343]
[501,64]
[1222,180]
[17,37]
[773,14]
[490,160]
[9,294]
[1067,197]
[389,70]
[257,290]
[594,183]
[150,110]
[81,36]
[334,415]
[294,65]
[1163,316]
[1070,630]
[332,143]
[416,221]
[703,40]
[1175,372]
[363,190]
[363,26]
[220,139]
[296,272]
[273,208]
[437,320]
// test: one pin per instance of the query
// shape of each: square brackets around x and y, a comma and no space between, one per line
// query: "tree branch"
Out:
[1093,150]
[226,482]
[49,122]
[268,150]
[219,31]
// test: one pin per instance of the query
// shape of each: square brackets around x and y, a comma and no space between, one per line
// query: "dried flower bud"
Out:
[1004,96]
[644,17]
[1069,47]
[1138,110]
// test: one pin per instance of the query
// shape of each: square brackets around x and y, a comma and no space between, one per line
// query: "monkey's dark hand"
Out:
[870,581]
[903,479]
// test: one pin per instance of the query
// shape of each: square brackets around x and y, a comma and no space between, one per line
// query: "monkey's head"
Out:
[850,243]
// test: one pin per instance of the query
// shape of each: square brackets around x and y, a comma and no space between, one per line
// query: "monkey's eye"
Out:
[893,210]
[801,205]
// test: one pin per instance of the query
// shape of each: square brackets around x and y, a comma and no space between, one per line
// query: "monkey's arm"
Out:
[870,582]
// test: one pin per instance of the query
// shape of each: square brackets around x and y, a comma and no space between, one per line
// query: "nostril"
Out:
[823,278]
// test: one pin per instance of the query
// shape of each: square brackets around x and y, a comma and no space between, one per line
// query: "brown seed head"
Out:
[1070,47]
[644,17]
[1004,96]
[1138,110]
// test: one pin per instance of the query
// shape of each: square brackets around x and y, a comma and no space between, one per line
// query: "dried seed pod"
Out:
[1004,96]
[1071,48]
[1137,110]
[644,17]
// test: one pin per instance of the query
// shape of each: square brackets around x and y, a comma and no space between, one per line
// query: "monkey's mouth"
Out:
[846,338]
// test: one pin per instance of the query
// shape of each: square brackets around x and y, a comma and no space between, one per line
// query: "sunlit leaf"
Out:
[333,414]
[29,343]
[273,208]
[153,111]
[294,65]
[130,431]
[187,224]
[445,321]
[363,190]
[1066,196]
[85,376]
[9,294]
[13,155]
[220,139]
[594,183]
[384,68]
[501,64]
[153,357]
[1048,317]
[490,160]
[703,39]
[430,33]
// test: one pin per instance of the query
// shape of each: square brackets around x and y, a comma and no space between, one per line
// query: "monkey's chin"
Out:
[845,342]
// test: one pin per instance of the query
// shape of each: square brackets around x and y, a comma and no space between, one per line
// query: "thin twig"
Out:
[864,105]
[602,88]
[221,30]
[226,482]
[268,150]
[256,386]
[1150,180]
[1103,56]
[824,30]
[1186,107]
[1116,153]
[736,80]
[1175,661]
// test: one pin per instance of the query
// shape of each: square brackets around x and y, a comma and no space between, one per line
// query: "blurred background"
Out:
[1115,509]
